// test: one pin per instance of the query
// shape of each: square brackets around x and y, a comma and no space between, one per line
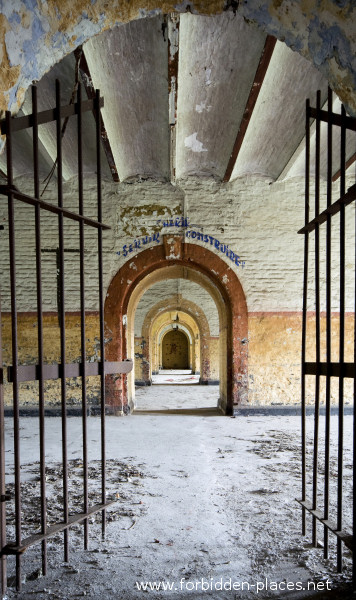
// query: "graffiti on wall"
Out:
[212,241]
[193,234]
[181,222]
[138,244]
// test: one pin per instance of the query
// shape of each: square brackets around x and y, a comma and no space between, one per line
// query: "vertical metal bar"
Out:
[328,327]
[3,560]
[39,331]
[82,312]
[15,385]
[317,321]
[305,300]
[354,445]
[341,338]
[101,310]
[61,312]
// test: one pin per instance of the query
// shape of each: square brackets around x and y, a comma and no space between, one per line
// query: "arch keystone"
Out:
[173,246]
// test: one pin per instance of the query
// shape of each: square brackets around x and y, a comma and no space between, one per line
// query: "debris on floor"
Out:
[199,501]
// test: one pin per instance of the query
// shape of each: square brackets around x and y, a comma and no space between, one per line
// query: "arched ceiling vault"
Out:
[186,94]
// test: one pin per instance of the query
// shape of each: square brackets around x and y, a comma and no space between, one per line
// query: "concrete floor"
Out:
[175,377]
[204,500]
[166,397]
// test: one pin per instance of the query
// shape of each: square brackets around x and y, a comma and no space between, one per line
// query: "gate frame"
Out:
[328,369]
[41,372]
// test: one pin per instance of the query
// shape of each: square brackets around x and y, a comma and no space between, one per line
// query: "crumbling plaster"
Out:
[35,37]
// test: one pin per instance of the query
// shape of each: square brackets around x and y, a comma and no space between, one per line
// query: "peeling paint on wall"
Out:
[194,144]
[36,36]
[130,216]
[202,107]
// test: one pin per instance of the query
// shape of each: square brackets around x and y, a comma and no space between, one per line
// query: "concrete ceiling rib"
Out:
[218,58]
[90,92]
[251,102]
[65,72]
[130,66]
[277,124]
[22,151]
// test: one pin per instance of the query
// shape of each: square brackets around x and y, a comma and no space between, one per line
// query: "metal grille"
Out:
[322,490]
[42,372]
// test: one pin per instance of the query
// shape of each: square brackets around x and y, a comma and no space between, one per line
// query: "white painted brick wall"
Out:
[256,218]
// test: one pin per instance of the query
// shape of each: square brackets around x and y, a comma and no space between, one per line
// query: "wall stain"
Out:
[131,214]
[9,75]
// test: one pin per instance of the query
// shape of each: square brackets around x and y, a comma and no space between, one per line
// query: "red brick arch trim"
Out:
[195,258]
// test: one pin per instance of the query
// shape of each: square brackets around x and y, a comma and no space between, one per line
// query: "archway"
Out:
[158,331]
[305,27]
[171,260]
[194,312]
[158,345]
[175,350]
[148,347]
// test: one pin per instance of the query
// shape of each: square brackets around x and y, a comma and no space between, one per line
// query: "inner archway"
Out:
[156,354]
[175,259]
[160,317]
[175,350]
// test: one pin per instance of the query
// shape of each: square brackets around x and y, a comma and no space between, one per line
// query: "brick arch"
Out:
[305,27]
[222,279]
[190,308]
[149,362]
[181,304]
[184,326]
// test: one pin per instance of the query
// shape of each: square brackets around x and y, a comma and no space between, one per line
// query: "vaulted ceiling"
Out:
[185,96]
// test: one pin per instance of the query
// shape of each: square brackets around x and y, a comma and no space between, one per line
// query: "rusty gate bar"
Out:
[51,207]
[341,339]
[3,559]
[61,315]
[41,399]
[305,300]
[82,311]
[101,309]
[15,385]
[42,372]
[317,320]
[328,330]
[328,369]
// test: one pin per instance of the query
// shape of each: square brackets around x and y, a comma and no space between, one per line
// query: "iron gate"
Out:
[41,372]
[328,226]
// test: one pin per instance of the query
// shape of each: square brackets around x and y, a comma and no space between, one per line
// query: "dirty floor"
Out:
[204,506]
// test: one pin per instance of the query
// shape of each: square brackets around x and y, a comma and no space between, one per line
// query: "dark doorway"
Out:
[175,351]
